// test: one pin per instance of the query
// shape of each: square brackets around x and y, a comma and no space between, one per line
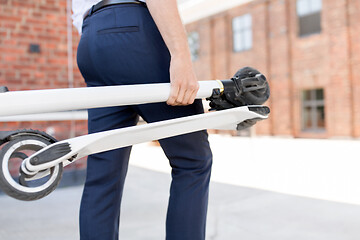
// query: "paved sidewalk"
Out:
[315,168]
[234,213]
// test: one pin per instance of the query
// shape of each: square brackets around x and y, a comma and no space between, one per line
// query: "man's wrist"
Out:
[181,53]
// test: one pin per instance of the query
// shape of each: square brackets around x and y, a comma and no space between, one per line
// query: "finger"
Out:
[180,96]
[191,94]
[192,97]
[173,95]
[187,97]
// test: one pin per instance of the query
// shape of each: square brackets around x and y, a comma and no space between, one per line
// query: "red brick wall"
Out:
[42,22]
[328,60]
[34,22]
[353,9]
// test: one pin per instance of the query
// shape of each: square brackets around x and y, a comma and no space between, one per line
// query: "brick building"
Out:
[38,51]
[308,49]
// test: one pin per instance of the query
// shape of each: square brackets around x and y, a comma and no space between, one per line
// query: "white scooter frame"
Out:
[49,160]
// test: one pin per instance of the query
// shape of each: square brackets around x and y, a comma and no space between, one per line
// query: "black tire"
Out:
[20,190]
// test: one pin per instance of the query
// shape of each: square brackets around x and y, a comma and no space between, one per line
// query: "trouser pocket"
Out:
[119,30]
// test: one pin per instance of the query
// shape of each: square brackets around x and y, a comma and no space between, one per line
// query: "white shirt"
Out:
[79,7]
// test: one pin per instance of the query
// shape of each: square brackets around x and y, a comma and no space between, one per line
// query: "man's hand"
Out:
[184,84]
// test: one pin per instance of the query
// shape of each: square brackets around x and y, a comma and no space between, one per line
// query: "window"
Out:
[309,14]
[242,33]
[194,44]
[313,110]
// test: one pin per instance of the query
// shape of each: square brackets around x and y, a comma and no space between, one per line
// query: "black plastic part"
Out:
[72,158]
[22,175]
[6,136]
[262,110]
[247,87]
[53,153]
[248,123]
[20,155]
[22,178]
[3,89]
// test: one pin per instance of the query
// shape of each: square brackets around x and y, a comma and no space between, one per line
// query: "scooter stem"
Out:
[55,100]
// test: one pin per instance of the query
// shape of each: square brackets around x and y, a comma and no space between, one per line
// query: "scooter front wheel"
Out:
[19,185]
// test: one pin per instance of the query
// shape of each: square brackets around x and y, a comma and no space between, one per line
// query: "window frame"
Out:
[244,32]
[313,104]
[306,17]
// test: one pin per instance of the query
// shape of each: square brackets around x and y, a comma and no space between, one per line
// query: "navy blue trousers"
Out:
[121,45]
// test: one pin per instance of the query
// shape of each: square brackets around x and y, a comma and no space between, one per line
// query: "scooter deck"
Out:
[81,146]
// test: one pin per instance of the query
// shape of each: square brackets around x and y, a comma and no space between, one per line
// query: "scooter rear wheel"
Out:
[19,185]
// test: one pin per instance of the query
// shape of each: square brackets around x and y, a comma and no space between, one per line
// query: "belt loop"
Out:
[91,10]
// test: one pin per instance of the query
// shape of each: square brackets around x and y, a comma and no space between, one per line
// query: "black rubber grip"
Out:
[262,110]
[53,153]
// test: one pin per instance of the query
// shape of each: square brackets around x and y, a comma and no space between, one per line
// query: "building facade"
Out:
[308,49]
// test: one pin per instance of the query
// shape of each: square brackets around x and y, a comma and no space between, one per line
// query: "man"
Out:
[134,43]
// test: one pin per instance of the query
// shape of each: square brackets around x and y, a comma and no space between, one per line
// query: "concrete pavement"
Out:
[234,213]
[316,168]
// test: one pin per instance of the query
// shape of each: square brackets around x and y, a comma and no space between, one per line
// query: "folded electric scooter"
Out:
[236,104]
